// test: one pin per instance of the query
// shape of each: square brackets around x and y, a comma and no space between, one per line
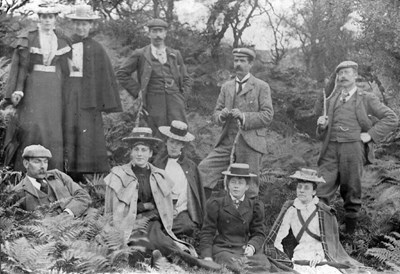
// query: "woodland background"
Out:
[307,42]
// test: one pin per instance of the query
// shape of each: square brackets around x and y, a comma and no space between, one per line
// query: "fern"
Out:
[390,253]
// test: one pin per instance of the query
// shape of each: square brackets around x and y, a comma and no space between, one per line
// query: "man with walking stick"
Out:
[244,109]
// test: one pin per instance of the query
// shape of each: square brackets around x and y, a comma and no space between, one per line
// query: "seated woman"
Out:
[238,220]
[314,228]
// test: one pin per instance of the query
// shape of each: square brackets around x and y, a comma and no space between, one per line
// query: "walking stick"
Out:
[232,156]
[141,111]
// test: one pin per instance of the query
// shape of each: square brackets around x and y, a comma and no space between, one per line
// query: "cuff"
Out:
[19,92]
[253,248]
[69,211]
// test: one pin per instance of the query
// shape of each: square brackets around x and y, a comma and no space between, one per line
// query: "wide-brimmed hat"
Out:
[346,64]
[178,131]
[308,175]
[83,12]
[142,134]
[47,7]
[239,170]
[36,151]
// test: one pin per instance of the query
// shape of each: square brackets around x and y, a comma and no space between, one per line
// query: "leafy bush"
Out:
[389,253]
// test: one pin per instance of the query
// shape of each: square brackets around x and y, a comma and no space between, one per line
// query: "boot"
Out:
[351,224]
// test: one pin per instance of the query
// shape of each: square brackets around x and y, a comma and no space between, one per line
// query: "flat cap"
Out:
[36,151]
[346,64]
[157,23]
[244,52]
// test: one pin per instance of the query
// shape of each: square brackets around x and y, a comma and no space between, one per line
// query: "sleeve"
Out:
[283,229]
[257,234]
[262,117]
[80,198]
[18,71]
[124,74]
[110,195]
[209,228]
[388,119]
[186,79]
[220,106]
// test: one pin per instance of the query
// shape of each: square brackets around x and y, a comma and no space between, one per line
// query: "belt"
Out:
[44,68]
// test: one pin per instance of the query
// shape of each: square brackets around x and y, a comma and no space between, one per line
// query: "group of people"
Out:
[50,73]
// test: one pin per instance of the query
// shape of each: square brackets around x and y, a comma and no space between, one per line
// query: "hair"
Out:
[143,143]
[310,182]
[231,176]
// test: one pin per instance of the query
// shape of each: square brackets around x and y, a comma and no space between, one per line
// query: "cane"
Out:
[141,110]
[232,156]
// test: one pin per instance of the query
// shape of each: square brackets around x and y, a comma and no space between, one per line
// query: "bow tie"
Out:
[344,96]
[237,203]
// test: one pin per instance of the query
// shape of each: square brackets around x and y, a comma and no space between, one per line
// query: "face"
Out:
[47,21]
[82,27]
[305,192]
[36,167]
[174,147]
[242,66]
[347,77]
[237,186]
[157,35]
[140,155]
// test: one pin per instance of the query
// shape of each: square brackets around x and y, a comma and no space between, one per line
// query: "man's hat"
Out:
[178,131]
[157,23]
[346,64]
[239,170]
[36,151]
[83,12]
[244,52]
[48,7]
[142,135]
[308,175]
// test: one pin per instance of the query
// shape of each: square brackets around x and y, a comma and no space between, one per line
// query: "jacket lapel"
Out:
[230,208]
[244,207]
[248,86]
[231,88]
[28,187]
[147,53]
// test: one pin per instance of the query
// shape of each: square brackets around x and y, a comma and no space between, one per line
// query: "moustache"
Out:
[238,68]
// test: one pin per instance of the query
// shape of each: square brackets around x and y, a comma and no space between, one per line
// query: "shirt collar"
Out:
[245,78]
[352,91]
[34,182]
[154,49]
[234,199]
[299,205]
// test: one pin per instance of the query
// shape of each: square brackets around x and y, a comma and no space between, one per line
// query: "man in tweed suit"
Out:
[244,109]
[354,120]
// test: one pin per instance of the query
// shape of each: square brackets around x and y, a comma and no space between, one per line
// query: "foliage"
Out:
[390,252]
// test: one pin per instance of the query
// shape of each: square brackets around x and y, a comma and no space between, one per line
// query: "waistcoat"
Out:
[161,78]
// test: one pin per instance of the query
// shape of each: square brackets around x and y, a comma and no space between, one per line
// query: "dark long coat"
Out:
[236,227]
[61,187]
[196,196]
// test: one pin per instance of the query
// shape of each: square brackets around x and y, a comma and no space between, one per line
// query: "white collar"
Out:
[34,182]
[246,77]
[154,49]
[351,92]
[234,199]
[299,205]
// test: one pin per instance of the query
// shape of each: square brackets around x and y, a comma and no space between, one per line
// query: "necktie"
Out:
[43,185]
[237,203]
[240,83]
[344,96]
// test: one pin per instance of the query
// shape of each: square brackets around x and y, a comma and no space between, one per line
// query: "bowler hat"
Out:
[239,170]
[346,64]
[83,12]
[142,135]
[244,52]
[308,175]
[36,151]
[157,23]
[178,130]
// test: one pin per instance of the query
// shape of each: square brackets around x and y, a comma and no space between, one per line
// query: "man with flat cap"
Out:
[354,121]
[162,76]
[244,109]
[42,187]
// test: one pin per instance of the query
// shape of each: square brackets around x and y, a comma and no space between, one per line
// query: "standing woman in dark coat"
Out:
[90,89]
[38,67]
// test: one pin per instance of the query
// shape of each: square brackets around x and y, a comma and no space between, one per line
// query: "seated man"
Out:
[313,228]
[41,187]
[187,192]
[239,222]
[139,189]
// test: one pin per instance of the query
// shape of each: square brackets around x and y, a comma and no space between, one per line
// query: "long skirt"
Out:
[84,141]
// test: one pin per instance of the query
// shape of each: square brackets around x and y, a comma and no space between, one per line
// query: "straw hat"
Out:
[309,175]
[83,12]
[178,131]
[239,170]
[142,134]
[48,7]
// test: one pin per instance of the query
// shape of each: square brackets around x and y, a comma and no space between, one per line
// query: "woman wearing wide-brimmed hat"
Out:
[312,226]
[38,68]
[188,191]
[90,89]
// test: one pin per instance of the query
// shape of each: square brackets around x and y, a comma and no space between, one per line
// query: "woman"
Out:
[90,89]
[314,227]
[38,68]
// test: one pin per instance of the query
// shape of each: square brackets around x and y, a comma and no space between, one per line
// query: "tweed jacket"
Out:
[236,227]
[61,188]
[256,104]
[140,62]
[196,196]
[372,115]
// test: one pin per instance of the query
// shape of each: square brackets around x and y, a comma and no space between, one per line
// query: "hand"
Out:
[322,121]
[249,250]
[224,114]
[16,97]
[237,114]
[208,259]
[365,137]
[317,259]
[149,206]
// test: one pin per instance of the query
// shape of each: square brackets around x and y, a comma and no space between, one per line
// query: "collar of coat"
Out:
[250,84]
[168,50]
[239,212]
[27,185]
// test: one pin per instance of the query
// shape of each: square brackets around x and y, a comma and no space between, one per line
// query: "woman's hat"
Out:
[47,7]
[239,170]
[178,131]
[142,134]
[309,175]
[83,12]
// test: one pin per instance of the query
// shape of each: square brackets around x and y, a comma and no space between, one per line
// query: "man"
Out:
[187,192]
[244,108]
[42,187]
[139,189]
[348,132]
[90,89]
[162,76]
